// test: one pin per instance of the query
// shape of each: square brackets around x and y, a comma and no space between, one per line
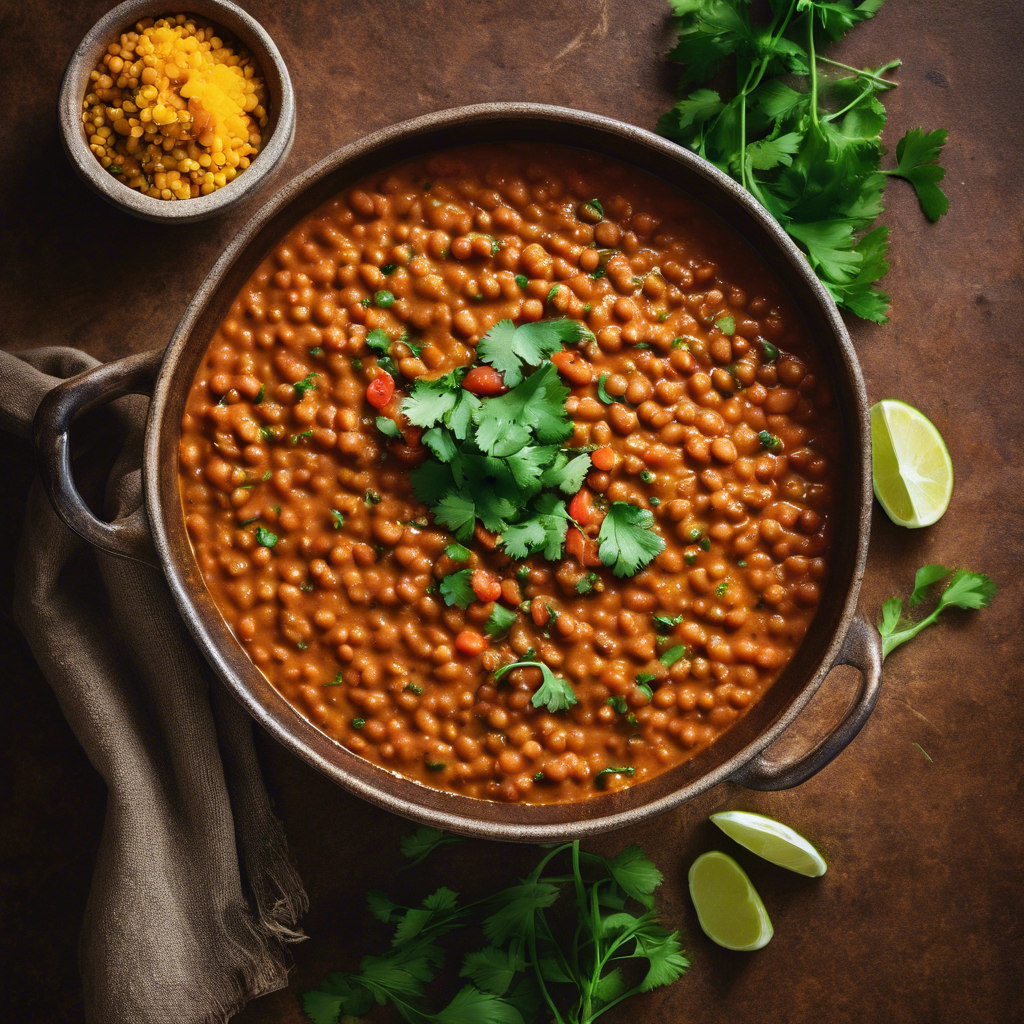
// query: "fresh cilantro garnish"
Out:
[643,684]
[306,384]
[457,553]
[372,498]
[968,590]
[265,538]
[388,427]
[726,324]
[601,777]
[721,588]
[672,655]
[704,543]
[378,341]
[339,519]
[413,688]
[249,522]
[296,438]
[533,966]
[917,156]
[553,292]
[541,532]
[587,584]
[627,541]
[457,588]
[306,588]
[554,692]
[259,394]
[435,766]
[769,441]
[807,145]
[602,392]
[499,621]
[666,623]
[316,350]
[522,280]
[618,704]
[388,269]
[510,349]
[336,681]
[769,353]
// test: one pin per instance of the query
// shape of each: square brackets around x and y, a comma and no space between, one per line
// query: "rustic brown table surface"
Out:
[919,918]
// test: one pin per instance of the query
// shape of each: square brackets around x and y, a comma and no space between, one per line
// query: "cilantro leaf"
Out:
[554,692]
[966,590]
[419,844]
[636,874]
[534,408]
[430,400]
[306,384]
[378,341]
[458,512]
[567,471]
[510,349]
[541,532]
[457,553]
[471,1006]
[388,427]
[491,969]
[602,392]
[499,621]
[917,157]
[627,541]
[457,588]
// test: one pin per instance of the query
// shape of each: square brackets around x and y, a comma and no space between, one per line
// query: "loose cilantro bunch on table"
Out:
[501,459]
[574,938]
[968,590]
[809,147]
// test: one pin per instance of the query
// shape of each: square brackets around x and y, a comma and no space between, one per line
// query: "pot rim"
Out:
[301,735]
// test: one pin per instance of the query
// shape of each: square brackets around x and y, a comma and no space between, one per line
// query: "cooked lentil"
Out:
[328,570]
[174,110]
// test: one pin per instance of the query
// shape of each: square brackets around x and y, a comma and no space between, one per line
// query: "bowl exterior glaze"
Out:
[278,136]
[739,750]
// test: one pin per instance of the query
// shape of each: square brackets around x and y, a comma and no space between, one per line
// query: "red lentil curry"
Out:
[512,470]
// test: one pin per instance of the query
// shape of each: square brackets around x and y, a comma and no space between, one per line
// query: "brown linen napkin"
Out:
[193,894]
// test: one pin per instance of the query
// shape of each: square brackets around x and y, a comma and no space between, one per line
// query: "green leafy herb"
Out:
[306,384]
[339,519]
[554,692]
[306,588]
[265,538]
[532,966]
[968,590]
[420,844]
[601,777]
[372,498]
[666,623]
[413,688]
[296,438]
[336,681]
[587,584]
[553,292]
[510,349]
[602,392]
[643,684]
[457,553]
[383,299]
[388,427]
[115,169]
[805,143]
[259,394]
[357,364]
[704,543]
[768,351]
[522,280]
[388,269]
[316,350]
[627,540]
[249,522]
[499,621]
[769,441]
[618,704]
[726,324]
[690,557]
[378,341]
[672,655]
[721,588]
[457,588]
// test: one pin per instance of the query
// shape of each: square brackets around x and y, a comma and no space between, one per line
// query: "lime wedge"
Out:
[910,466]
[771,840]
[728,907]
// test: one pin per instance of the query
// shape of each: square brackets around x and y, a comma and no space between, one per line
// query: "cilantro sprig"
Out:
[533,966]
[554,692]
[627,541]
[810,155]
[968,590]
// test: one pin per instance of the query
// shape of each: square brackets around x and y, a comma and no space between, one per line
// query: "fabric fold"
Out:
[194,897]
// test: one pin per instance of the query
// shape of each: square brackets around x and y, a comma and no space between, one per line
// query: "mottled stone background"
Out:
[919,918]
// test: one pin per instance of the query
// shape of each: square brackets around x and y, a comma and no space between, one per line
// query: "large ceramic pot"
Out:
[157,533]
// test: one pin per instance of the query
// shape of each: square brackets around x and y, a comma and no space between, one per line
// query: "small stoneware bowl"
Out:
[277,137]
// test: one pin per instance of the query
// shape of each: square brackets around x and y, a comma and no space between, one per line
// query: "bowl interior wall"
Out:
[541,822]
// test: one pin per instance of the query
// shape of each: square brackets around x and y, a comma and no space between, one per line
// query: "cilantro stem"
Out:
[875,77]
[867,92]
[813,67]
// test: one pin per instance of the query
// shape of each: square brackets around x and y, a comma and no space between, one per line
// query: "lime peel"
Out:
[772,841]
[729,909]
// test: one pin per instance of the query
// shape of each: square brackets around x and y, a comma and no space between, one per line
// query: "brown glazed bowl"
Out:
[838,636]
[277,137]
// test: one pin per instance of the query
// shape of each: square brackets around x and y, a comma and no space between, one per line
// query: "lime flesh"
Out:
[910,465]
[771,840]
[728,907]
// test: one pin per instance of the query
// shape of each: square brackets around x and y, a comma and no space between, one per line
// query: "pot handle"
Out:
[133,375]
[862,648]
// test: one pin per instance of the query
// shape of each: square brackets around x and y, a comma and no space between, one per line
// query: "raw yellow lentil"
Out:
[174,111]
